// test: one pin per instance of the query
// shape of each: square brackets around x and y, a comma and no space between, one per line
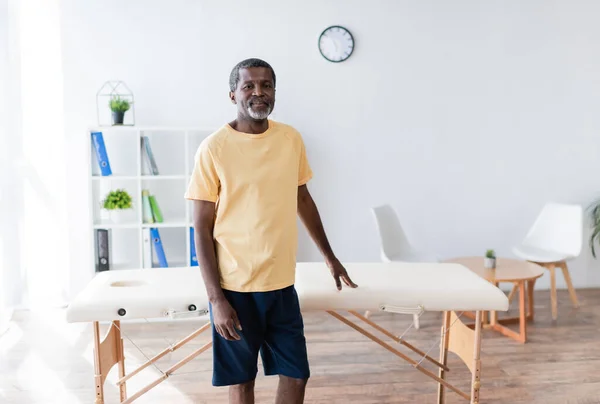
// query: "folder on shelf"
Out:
[156,213]
[149,156]
[102,250]
[158,248]
[147,215]
[146,248]
[193,257]
[101,154]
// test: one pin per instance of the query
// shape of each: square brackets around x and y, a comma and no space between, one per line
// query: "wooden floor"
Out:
[45,361]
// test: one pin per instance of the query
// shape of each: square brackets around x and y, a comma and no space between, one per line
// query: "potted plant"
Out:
[119,106]
[594,212]
[489,260]
[117,202]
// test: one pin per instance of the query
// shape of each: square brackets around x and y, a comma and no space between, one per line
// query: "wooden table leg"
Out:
[522,312]
[494,314]
[499,326]
[530,299]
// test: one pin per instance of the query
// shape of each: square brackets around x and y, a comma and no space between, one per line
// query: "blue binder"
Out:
[101,154]
[158,248]
[193,257]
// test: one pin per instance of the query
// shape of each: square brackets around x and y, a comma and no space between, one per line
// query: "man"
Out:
[248,185]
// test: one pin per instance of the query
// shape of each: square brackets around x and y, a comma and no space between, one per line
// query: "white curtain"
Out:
[33,202]
[8,179]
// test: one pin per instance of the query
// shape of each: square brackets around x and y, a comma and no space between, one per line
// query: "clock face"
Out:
[336,44]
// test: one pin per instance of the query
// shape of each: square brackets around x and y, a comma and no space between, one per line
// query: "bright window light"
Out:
[44,239]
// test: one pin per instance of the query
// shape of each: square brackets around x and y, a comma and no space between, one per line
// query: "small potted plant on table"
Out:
[119,106]
[489,260]
[118,203]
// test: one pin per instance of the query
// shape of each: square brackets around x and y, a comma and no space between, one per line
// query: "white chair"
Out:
[554,238]
[395,245]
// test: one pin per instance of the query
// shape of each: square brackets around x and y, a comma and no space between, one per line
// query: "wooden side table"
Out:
[522,274]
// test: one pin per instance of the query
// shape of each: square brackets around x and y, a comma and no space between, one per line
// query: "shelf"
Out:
[115,177]
[138,177]
[108,225]
[173,149]
[163,177]
[165,224]
[137,129]
[120,266]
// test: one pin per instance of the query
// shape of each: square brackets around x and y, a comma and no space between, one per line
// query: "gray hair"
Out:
[234,77]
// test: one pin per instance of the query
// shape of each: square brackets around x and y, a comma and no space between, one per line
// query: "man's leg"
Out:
[235,362]
[284,350]
[242,393]
[290,390]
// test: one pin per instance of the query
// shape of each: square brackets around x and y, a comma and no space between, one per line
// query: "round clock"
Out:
[336,43]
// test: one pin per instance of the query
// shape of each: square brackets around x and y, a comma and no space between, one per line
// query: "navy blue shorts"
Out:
[272,325]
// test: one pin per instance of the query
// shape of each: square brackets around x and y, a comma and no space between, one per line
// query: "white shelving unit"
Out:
[173,149]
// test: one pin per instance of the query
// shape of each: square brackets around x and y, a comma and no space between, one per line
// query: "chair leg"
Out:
[416,321]
[512,292]
[553,291]
[567,276]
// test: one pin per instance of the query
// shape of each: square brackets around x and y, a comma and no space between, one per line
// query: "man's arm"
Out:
[204,220]
[225,318]
[309,214]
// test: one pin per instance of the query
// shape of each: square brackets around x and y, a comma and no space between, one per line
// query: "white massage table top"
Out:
[153,292]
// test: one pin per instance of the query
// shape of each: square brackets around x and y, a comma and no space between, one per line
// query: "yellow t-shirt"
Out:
[254,180]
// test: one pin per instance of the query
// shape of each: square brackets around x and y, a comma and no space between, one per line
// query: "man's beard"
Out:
[259,115]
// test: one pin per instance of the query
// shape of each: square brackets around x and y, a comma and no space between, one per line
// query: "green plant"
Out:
[490,254]
[117,199]
[594,212]
[117,104]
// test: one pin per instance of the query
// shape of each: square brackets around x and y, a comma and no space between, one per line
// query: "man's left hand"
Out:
[338,271]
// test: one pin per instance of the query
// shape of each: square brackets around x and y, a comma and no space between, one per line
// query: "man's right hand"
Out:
[225,320]
[224,316]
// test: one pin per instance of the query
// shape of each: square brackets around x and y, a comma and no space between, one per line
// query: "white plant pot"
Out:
[489,263]
[119,216]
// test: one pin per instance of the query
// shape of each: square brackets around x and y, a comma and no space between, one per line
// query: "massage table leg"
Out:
[398,339]
[476,371]
[98,380]
[456,337]
[397,353]
[466,344]
[445,339]
[121,356]
[107,353]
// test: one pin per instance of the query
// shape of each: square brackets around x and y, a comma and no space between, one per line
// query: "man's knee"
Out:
[293,382]
[243,387]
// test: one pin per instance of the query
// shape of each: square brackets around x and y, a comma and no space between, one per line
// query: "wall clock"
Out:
[336,43]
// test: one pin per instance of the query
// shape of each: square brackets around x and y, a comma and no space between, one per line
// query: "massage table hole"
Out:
[126,284]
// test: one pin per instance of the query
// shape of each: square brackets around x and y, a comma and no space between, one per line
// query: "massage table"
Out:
[173,293]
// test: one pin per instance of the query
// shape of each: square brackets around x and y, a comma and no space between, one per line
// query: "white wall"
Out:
[466,116]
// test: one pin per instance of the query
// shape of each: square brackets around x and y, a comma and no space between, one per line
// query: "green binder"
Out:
[158,218]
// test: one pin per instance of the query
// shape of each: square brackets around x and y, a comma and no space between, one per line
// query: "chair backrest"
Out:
[558,227]
[392,237]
